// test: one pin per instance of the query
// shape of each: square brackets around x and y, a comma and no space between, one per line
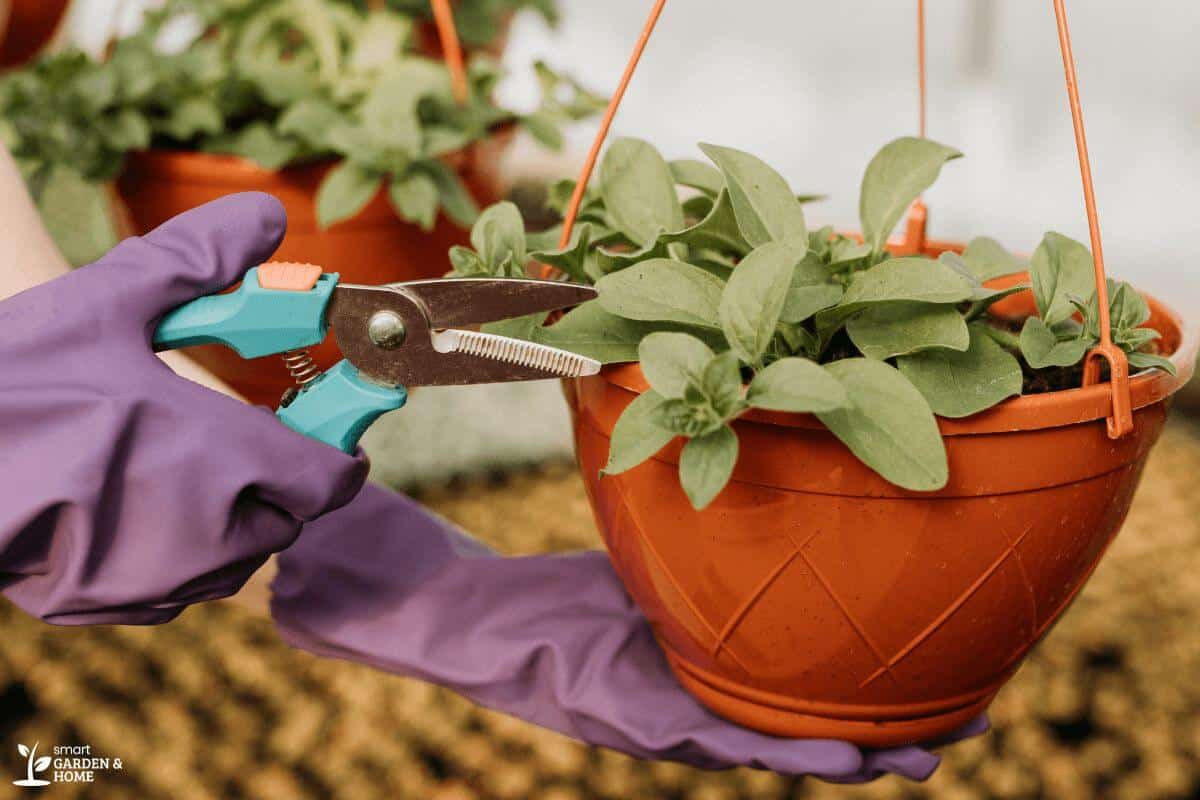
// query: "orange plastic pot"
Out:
[26,26]
[376,246]
[815,599]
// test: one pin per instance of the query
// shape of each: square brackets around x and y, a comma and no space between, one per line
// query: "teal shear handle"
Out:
[251,320]
[335,408]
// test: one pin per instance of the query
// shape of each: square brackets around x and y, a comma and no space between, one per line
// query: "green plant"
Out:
[479,22]
[278,82]
[730,302]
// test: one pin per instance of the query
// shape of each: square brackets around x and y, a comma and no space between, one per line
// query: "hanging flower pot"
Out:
[851,481]
[380,153]
[26,26]
[814,598]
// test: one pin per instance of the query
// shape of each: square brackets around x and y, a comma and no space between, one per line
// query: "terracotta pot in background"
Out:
[374,247]
[429,43]
[815,599]
[26,26]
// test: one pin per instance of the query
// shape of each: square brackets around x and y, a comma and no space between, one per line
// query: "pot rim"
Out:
[197,166]
[1022,413]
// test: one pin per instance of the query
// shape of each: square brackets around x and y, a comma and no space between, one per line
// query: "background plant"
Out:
[709,276]
[279,82]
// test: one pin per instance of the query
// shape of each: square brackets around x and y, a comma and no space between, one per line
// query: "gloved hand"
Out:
[554,640]
[129,492]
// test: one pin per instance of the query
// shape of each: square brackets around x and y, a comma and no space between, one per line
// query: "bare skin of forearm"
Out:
[29,257]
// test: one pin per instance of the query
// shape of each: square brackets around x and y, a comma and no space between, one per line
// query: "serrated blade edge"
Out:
[554,362]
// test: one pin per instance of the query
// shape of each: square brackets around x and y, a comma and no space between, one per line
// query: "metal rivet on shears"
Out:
[386,329]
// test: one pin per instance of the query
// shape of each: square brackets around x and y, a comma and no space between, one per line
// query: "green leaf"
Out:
[636,437]
[1127,308]
[721,385]
[706,465]
[263,146]
[898,329]
[804,301]
[466,263]
[309,119]
[193,116]
[697,175]
[663,289]
[593,332]
[672,361]
[606,261]
[754,296]
[345,191]
[888,425]
[765,206]
[919,280]
[380,41]
[1149,360]
[690,416]
[127,130]
[1042,348]
[795,384]
[959,384]
[499,234]
[811,290]
[415,198]
[456,200]
[1062,269]
[987,259]
[77,214]
[896,176]
[638,191]
[717,231]
[543,127]
[518,327]
[572,259]
[389,111]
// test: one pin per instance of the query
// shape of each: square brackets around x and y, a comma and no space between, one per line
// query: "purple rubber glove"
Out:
[129,492]
[554,640]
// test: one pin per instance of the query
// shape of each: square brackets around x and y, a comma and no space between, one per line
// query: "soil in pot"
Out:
[374,247]
[815,599]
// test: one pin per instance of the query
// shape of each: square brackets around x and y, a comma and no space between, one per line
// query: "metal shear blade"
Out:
[423,349]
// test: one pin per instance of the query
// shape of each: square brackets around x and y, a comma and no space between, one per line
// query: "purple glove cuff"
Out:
[554,640]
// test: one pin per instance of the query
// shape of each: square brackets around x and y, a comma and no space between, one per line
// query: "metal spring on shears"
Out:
[304,370]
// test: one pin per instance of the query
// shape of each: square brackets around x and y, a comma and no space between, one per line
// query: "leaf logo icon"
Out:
[33,765]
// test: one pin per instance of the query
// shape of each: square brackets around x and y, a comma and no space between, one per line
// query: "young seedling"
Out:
[730,302]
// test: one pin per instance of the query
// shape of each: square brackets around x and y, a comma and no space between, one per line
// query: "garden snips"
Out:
[392,336]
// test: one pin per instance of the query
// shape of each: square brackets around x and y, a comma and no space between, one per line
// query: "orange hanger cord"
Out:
[921,64]
[443,18]
[1121,421]
[918,214]
[605,123]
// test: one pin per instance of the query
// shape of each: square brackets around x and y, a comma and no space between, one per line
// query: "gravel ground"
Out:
[215,706]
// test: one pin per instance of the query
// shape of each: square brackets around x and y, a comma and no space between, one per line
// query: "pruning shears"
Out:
[392,336]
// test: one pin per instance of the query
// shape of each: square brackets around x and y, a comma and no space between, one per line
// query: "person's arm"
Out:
[129,492]
[552,639]
[29,257]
